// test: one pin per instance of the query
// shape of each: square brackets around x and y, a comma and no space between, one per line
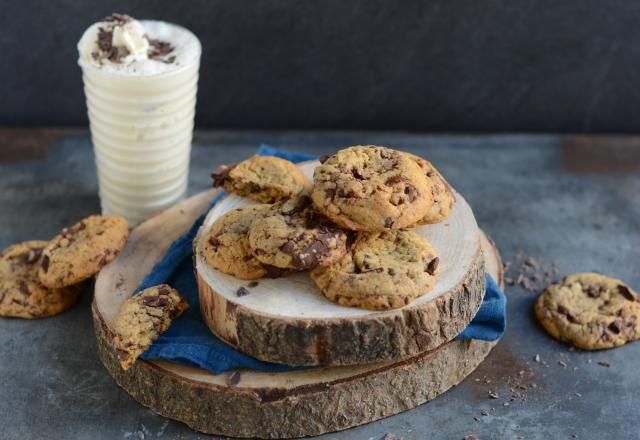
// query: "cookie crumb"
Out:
[242,291]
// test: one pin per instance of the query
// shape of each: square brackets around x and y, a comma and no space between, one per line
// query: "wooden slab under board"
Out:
[254,404]
[288,320]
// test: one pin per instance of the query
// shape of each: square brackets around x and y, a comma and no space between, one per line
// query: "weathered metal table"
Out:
[565,203]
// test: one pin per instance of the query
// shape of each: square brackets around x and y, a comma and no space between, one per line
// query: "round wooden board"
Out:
[247,403]
[289,321]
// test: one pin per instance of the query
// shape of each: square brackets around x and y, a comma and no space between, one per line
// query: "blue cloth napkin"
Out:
[189,340]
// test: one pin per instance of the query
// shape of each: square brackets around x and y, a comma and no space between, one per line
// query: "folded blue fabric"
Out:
[189,340]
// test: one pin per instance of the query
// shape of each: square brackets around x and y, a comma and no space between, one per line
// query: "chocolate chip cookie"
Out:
[292,235]
[590,311]
[144,317]
[372,188]
[79,252]
[265,179]
[443,195]
[226,245]
[382,270]
[22,295]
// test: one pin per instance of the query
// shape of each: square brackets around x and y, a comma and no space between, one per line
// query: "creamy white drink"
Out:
[140,81]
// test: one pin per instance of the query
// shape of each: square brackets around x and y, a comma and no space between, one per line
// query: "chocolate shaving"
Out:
[432,266]
[253,284]
[118,18]
[242,291]
[158,50]
[324,158]
[221,173]
[388,222]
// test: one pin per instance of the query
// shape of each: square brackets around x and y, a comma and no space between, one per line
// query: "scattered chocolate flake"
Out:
[388,222]
[234,378]
[252,284]
[242,291]
[604,364]
[324,158]
[118,18]
[484,412]
[432,266]
[158,50]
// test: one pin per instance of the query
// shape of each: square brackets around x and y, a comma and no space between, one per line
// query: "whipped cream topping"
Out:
[121,44]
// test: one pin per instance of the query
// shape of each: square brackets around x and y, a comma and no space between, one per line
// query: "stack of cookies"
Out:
[44,278]
[350,228]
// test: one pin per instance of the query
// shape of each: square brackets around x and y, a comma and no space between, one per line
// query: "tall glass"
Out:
[141,127]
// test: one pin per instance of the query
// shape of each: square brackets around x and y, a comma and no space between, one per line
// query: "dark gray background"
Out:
[433,65]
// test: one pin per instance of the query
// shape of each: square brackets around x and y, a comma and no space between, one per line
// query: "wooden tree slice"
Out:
[288,320]
[247,403]
[267,405]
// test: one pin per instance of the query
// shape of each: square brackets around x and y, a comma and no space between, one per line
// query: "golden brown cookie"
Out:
[226,245]
[382,270]
[371,188]
[590,311]
[292,235]
[265,179]
[22,295]
[443,195]
[79,252]
[144,317]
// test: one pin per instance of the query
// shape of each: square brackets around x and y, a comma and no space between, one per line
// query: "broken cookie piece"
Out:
[265,179]
[144,317]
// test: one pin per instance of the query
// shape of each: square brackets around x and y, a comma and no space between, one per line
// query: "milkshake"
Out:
[140,81]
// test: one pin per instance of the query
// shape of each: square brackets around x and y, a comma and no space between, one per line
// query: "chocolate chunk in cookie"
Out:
[22,295]
[79,252]
[372,188]
[590,311]
[265,179]
[382,270]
